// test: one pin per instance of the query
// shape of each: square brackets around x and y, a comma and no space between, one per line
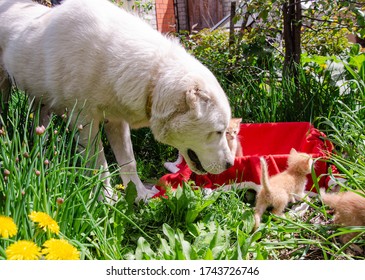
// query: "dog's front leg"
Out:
[5,90]
[118,134]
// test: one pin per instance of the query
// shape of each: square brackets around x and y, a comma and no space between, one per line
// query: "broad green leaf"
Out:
[193,212]
[166,250]
[209,255]
[183,248]
[130,195]
[143,250]
[170,233]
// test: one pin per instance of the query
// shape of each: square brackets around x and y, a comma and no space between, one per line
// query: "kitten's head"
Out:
[299,162]
[233,128]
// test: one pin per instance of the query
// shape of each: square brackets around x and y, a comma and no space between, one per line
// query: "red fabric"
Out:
[271,140]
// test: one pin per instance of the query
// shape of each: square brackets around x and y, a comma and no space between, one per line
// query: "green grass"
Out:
[188,223]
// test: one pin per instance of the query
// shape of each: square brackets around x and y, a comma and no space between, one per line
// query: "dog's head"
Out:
[193,114]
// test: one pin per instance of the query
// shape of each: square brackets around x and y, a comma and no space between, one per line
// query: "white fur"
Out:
[114,64]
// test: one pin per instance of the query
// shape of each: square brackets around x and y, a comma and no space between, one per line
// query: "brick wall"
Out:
[182,10]
[165,16]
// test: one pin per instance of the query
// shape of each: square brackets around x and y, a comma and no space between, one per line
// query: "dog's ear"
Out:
[196,99]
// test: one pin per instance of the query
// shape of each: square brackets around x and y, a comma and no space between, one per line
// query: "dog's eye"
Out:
[215,134]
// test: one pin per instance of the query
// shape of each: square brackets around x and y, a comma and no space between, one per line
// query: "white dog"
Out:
[121,70]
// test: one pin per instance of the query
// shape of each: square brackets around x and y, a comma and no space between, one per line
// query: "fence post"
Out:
[231,23]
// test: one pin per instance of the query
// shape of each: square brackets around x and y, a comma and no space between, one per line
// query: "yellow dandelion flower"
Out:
[60,249]
[120,187]
[23,250]
[324,66]
[45,221]
[7,227]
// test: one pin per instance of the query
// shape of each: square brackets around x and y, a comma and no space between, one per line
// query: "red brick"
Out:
[165,15]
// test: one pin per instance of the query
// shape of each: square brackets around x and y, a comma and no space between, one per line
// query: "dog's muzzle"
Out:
[195,160]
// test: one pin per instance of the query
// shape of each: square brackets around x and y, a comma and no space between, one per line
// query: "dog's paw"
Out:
[110,196]
[145,194]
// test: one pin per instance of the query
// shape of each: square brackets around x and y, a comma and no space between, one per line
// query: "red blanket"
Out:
[271,140]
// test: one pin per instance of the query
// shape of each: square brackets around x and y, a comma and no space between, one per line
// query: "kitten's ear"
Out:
[293,151]
[237,120]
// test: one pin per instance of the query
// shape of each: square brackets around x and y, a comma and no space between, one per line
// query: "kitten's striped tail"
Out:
[264,174]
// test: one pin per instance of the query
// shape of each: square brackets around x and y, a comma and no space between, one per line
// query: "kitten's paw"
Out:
[300,210]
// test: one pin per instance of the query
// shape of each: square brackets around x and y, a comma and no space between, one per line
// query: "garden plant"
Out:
[51,190]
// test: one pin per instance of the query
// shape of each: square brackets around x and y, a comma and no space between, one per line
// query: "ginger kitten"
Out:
[282,188]
[232,137]
[349,211]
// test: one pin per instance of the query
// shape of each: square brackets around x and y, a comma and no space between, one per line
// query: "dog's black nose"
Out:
[228,165]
